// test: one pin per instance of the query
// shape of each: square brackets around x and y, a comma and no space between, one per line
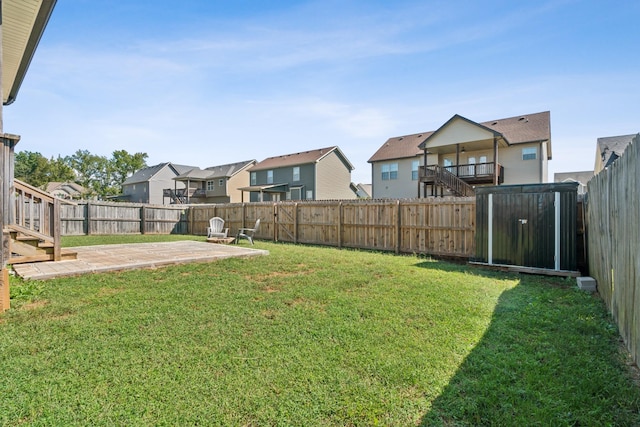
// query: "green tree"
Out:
[59,171]
[125,164]
[31,167]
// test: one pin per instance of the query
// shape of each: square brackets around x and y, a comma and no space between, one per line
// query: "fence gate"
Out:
[286,219]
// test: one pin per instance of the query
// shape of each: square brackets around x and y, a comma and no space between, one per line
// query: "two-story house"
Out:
[320,174]
[462,154]
[216,184]
[148,185]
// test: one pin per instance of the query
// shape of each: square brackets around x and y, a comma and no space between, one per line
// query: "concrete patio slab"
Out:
[104,258]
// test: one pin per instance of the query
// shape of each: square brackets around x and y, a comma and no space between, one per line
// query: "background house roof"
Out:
[612,147]
[213,172]
[582,177]
[517,130]
[400,147]
[302,158]
[23,22]
[145,174]
[228,170]
[69,187]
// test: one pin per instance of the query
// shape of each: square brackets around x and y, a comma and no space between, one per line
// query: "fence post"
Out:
[340,220]
[88,216]
[57,252]
[398,226]
[275,222]
[295,223]
[189,219]
[143,215]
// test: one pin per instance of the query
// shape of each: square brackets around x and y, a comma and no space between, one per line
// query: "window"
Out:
[270,177]
[309,195]
[296,173]
[210,185]
[221,182]
[253,178]
[448,165]
[530,153]
[389,171]
[295,194]
[414,170]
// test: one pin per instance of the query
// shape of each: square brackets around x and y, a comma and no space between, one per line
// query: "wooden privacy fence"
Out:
[122,218]
[444,226]
[437,226]
[613,234]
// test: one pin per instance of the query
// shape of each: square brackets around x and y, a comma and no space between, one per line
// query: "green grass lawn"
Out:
[310,336]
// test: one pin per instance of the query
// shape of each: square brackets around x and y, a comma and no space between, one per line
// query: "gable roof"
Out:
[145,174]
[457,117]
[527,128]
[23,23]
[65,186]
[400,147]
[226,171]
[213,172]
[581,176]
[295,159]
[612,147]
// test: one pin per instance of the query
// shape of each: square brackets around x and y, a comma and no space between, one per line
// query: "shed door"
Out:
[524,229]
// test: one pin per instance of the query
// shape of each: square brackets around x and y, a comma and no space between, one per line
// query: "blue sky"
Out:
[207,82]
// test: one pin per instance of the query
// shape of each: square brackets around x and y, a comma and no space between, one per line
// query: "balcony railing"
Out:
[479,173]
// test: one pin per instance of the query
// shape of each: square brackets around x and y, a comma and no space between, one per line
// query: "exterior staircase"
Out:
[34,227]
[440,176]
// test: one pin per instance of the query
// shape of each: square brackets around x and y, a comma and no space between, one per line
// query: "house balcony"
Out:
[472,174]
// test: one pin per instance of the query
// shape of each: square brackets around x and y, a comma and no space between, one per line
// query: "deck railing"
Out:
[440,175]
[36,213]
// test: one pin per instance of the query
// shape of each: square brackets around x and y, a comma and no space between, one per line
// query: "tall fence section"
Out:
[613,235]
[444,226]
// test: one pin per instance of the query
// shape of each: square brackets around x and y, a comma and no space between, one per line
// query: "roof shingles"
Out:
[516,130]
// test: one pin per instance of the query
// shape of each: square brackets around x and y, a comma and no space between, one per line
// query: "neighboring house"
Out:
[582,178]
[148,185]
[216,184]
[320,174]
[461,154]
[609,149]
[363,191]
[66,190]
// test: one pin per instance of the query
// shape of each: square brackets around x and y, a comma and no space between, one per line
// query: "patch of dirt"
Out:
[35,305]
[105,292]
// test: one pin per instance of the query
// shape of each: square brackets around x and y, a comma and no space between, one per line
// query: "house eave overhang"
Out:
[23,23]
[268,188]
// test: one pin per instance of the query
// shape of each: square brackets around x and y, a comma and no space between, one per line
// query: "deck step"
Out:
[65,254]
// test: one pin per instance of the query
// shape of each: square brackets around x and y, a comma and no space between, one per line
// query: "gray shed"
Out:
[530,225]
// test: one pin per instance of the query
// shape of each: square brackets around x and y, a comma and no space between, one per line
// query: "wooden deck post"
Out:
[5,302]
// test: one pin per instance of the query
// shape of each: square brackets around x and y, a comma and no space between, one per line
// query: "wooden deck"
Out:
[105,258]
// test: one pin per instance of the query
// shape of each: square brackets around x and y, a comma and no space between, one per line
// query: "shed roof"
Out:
[302,158]
[23,23]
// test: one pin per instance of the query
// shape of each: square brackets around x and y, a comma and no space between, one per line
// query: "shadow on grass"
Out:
[550,356]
